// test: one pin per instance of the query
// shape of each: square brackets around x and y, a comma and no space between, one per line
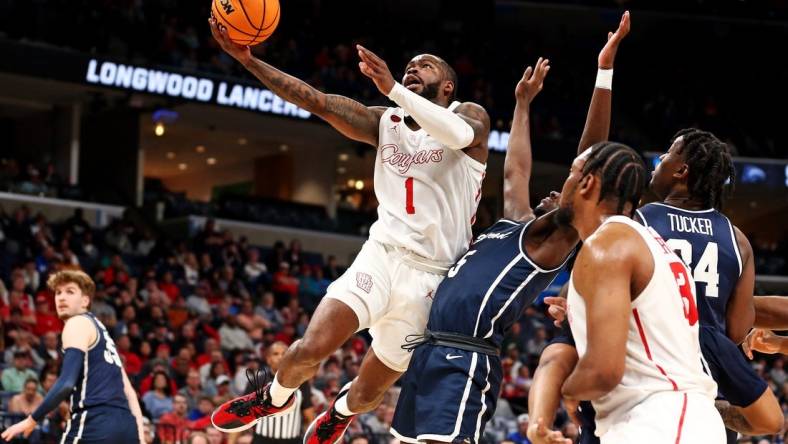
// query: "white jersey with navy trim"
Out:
[663,350]
[427,192]
[486,291]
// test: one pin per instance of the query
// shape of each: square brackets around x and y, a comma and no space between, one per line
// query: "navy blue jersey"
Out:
[101,383]
[486,291]
[705,241]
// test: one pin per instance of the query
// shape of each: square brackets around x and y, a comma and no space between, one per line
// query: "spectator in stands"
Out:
[22,343]
[254,270]
[167,285]
[14,378]
[309,291]
[285,286]
[49,348]
[147,431]
[233,337]
[198,438]
[158,400]
[198,302]
[520,436]
[192,391]
[223,389]
[77,224]
[268,310]
[536,344]
[26,402]
[132,361]
[203,411]
[173,426]
[777,373]
[214,436]
[376,420]
[46,320]
[191,269]
[331,270]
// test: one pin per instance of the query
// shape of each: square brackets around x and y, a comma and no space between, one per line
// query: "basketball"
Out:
[248,22]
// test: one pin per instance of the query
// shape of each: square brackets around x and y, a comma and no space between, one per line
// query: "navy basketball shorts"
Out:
[102,425]
[447,395]
[737,382]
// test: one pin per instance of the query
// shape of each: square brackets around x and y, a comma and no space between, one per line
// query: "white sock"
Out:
[279,393]
[341,406]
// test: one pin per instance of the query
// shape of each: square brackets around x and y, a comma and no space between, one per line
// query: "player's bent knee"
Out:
[310,351]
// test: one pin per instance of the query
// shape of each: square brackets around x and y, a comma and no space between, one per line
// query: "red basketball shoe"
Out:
[243,412]
[329,426]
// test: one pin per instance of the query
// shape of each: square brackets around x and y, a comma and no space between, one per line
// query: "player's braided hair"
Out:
[622,172]
[710,166]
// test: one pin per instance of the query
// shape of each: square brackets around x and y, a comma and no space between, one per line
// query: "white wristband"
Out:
[604,79]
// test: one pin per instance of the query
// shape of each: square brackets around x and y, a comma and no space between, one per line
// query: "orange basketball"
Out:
[248,22]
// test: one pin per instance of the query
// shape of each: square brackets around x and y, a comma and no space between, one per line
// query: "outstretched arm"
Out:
[352,119]
[597,127]
[771,312]
[517,165]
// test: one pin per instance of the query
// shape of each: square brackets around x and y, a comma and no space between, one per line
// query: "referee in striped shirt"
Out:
[288,428]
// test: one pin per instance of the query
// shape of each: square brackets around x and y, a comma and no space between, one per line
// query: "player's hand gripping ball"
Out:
[248,22]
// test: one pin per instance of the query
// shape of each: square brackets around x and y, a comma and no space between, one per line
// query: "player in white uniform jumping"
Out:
[632,310]
[428,173]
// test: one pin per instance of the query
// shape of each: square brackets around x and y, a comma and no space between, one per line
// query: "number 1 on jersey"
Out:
[409,208]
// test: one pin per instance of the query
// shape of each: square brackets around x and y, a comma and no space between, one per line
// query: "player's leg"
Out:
[356,299]
[333,323]
[405,314]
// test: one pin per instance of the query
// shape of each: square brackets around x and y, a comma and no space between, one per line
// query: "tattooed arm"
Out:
[349,117]
[732,417]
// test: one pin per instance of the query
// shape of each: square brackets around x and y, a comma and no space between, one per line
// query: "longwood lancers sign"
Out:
[201,89]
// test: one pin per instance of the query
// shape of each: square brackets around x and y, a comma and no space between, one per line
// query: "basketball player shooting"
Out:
[428,172]
[104,405]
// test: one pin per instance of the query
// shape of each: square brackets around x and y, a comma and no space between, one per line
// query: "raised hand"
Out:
[532,82]
[538,433]
[238,52]
[608,53]
[376,69]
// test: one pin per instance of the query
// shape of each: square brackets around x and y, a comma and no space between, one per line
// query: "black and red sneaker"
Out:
[243,412]
[329,426]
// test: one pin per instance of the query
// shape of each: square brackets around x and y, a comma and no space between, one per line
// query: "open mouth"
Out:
[411,81]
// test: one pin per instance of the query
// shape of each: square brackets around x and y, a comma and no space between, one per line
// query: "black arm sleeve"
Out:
[73,360]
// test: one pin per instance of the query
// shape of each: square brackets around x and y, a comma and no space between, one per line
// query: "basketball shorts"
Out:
[737,382]
[447,395]
[669,418]
[101,425]
[389,296]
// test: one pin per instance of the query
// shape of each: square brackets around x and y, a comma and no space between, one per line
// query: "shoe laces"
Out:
[257,379]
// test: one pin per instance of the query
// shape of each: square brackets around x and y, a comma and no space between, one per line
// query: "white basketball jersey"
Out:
[663,351]
[427,192]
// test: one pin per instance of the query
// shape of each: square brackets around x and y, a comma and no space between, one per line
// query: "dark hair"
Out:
[710,166]
[622,172]
[29,380]
[449,74]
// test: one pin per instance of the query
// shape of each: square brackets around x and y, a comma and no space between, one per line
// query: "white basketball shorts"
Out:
[390,297]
